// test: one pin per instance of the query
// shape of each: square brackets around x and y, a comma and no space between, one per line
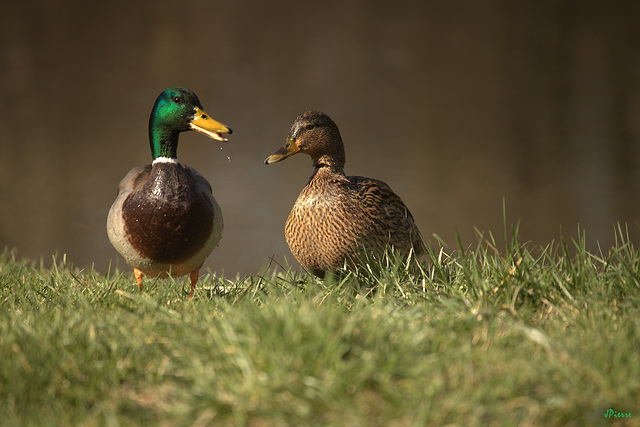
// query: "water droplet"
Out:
[229,159]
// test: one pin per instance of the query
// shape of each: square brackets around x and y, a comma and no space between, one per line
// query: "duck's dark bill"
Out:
[287,150]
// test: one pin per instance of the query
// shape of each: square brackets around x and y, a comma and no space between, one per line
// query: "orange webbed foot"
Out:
[138,275]
[194,279]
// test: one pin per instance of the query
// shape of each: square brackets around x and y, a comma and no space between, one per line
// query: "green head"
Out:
[178,110]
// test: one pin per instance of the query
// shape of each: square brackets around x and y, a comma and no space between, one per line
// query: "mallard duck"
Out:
[165,219]
[336,215]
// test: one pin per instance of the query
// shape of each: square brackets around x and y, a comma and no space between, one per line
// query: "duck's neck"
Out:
[324,172]
[331,164]
[163,140]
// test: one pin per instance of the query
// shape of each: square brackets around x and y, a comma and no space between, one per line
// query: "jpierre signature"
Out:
[615,414]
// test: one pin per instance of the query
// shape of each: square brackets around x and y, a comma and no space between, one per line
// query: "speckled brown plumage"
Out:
[336,213]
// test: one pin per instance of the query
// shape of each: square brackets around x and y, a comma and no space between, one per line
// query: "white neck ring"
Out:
[165,160]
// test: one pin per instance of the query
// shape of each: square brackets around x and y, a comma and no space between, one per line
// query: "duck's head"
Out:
[315,134]
[178,110]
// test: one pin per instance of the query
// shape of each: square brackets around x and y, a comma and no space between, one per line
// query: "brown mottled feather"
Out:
[336,213]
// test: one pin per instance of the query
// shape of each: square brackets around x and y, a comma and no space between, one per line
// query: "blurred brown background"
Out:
[455,104]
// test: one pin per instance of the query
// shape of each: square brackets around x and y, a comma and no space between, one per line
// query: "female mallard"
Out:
[165,219]
[335,215]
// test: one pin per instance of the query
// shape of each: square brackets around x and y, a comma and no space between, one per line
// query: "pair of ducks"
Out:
[166,221]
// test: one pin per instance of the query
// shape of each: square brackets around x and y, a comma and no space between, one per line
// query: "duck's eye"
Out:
[309,127]
[177,100]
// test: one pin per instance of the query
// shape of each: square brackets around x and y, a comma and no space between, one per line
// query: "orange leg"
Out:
[194,279]
[138,275]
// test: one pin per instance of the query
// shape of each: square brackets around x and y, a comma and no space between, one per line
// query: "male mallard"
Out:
[165,219]
[335,215]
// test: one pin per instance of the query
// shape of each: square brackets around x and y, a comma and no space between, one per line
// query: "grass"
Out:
[498,333]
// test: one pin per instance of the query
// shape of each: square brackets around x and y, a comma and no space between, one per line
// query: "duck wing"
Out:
[134,179]
[387,212]
[202,184]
